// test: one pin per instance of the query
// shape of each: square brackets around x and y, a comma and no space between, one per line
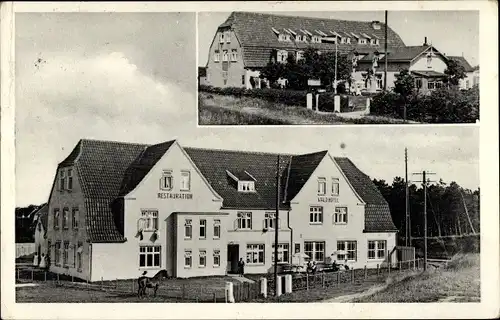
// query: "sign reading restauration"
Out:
[328,199]
[167,195]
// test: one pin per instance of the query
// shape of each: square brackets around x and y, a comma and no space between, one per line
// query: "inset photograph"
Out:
[343,67]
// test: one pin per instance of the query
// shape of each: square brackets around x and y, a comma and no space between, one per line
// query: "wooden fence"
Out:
[246,291]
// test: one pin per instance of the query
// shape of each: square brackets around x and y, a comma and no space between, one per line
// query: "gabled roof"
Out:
[42,216]
[405,54]
[463,62]
[377,213]
[255,34]
[108,170]
[262,166]
[101,166]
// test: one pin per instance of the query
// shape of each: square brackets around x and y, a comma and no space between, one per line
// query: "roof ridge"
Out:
[113,141]
[305,17]
[240,151]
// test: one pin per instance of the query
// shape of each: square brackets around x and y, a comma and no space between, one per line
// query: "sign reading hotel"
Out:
[168,195]
[328,199]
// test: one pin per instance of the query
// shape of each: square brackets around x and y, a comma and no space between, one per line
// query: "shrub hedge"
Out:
[445,105]
[286,97]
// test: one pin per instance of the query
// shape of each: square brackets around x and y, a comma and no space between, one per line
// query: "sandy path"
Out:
[350,297]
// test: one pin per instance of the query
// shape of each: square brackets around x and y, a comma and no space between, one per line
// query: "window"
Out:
[349,247]
[234,55]
[270,220]
[418,83]
[315,250]
[216,229]
[228,37]
[255,253]
[57,257]
[188,229]
[467,84]
[321,186]
[283,253]
[221,37]
[348,40]
[75,216]
[65,218]
[79,256]
[243,80]
[315,39]
[316,215]
[203,229]
[185,180]
[216,258]
[70,179]
[149,256]
[429,60]
[49,250]
[56,218]
[166,181]
[246,186]
[65,253]
[438,84]
[216,56]
[376,249]
[282,56]
[430,85]
[62,179]
[224,55]
[362,41]
[203,259]
[244,220]
[150,219]
[283,37]
[380,82]
[188,259]
[372,41]
[335,186]
[340,215]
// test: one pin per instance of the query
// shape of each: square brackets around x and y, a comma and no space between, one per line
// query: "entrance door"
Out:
[233,255]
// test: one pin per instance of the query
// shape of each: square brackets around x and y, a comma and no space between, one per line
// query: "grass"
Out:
[228,110]
[459,281]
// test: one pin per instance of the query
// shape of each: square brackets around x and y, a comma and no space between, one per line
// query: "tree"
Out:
[454,72]
[272,72]
[404,86]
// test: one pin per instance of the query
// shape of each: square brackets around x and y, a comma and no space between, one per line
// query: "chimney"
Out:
[425,41]
[376,25]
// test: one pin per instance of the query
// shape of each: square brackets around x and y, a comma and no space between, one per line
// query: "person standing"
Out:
[241,267]
[43,261]
[35,260]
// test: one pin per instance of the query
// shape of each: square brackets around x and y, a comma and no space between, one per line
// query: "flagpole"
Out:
[335,81]
[385,53]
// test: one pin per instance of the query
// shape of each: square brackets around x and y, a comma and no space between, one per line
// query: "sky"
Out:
[451,32]
[132,78]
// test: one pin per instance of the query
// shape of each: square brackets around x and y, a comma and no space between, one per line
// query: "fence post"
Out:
[378,270]
[31,275]
[183,291]
[72,279]
[399,266]
[366,273]
[307,281]
[215,297]
[338,278]
[45,276]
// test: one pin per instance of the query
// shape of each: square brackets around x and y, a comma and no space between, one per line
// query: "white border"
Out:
[489,306]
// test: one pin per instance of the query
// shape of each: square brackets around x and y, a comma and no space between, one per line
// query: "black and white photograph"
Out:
[350,67]
[194,161]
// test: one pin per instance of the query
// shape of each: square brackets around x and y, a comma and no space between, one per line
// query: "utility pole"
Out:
[336,56]
[276,227]
[424,184]
[407,215]
[386,54]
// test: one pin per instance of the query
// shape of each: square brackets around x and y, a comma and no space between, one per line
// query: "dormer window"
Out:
[246,186]
[362,41]
[348,40]
[245,181]
[282,56]
[343,40]
[283,37]
[316,39]
[300,55]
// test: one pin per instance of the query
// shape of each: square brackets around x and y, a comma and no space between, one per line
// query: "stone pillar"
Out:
[279,289]
[367,110]
[288,283]
[229,292]
[336,103]
[309,99]
[316,108]
[263,287]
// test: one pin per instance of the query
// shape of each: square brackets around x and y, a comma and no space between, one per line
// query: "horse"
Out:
[151,282]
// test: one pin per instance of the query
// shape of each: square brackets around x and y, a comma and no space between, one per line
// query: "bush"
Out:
[446,105]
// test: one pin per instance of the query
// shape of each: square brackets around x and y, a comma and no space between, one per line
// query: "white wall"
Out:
[328,231]
[146,196]
[437,64]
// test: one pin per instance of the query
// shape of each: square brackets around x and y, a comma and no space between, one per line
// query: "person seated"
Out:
[335,266]
[314,267]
